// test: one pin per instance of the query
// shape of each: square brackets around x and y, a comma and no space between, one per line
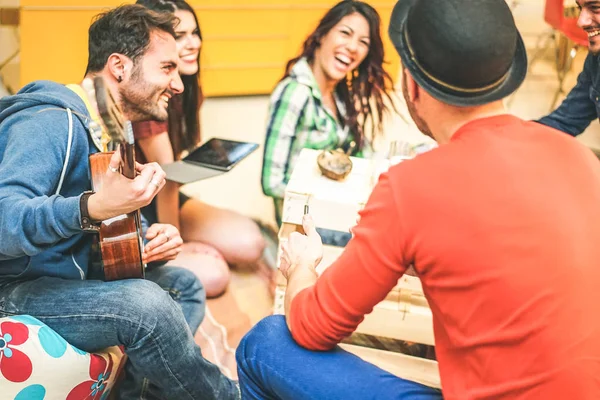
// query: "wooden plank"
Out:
[425,372]
[404,320]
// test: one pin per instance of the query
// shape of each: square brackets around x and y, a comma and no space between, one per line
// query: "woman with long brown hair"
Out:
[329,94]
[213,237]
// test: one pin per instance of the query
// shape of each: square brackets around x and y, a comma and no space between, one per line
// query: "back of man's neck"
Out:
[451,119]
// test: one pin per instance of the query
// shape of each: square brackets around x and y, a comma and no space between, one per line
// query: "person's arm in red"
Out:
[323,314]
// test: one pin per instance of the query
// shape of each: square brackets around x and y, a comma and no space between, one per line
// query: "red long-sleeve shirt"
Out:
[502,225]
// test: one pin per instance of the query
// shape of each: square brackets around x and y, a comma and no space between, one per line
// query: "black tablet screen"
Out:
[220,153]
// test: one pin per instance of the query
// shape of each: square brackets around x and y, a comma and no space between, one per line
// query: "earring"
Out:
[119,79]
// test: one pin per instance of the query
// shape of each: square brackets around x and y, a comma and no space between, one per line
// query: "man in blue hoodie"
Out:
[47,132]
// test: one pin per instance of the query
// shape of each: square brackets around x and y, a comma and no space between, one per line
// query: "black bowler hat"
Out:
[462,52]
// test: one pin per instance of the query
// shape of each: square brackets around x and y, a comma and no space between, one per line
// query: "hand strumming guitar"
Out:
[164,243]
[120,195]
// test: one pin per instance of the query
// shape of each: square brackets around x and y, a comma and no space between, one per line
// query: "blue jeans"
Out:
[154,319]
[271,365]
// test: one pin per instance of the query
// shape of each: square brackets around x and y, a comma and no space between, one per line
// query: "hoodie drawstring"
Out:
[69,141]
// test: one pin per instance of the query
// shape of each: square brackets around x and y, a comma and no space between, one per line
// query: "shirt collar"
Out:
[302,73]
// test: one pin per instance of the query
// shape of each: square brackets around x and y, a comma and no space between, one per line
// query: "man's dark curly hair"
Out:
[125,30]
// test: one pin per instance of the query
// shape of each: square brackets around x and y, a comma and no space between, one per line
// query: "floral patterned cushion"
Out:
[36,363]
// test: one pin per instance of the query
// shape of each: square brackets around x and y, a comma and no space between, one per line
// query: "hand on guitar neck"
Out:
[132,193]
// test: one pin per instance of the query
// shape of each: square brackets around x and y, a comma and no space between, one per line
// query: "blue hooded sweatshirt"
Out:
[44,169]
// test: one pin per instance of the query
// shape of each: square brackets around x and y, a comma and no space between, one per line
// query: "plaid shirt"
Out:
[297,120]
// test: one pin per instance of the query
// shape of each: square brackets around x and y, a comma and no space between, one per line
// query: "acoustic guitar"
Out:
[120,238]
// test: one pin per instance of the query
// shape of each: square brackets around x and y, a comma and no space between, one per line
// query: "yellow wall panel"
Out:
[56,51]
[238,21]
[229,54]
[79,4]
[246,42]
[241,82]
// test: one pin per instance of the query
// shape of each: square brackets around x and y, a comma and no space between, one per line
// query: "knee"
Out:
[147,306]
[257,246]
[216,280]
[186,286]
[266,335]
[272,327]
[213,273]
[207,265]
[250,246]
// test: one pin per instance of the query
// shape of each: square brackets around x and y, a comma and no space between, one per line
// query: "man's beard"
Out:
[419,122]
[139,99]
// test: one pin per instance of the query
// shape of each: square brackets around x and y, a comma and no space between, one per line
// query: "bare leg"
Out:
[235,236]
[207,264]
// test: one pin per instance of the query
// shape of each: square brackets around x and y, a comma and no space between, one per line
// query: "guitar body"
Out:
[120,238]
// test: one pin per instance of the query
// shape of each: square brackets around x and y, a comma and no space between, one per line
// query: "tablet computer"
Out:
[213,158]
[220,154]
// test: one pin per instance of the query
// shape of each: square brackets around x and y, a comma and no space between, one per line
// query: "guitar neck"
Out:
[128,150]
[128,157]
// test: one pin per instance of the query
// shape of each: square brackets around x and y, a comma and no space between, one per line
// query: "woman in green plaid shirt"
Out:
[327,95]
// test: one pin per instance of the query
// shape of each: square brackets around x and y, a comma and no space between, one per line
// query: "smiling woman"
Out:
[328,94]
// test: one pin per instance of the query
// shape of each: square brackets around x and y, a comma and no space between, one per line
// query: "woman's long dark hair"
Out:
[184,122]
[368,81]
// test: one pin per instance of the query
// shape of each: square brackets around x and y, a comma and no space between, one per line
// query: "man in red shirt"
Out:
[501,223]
